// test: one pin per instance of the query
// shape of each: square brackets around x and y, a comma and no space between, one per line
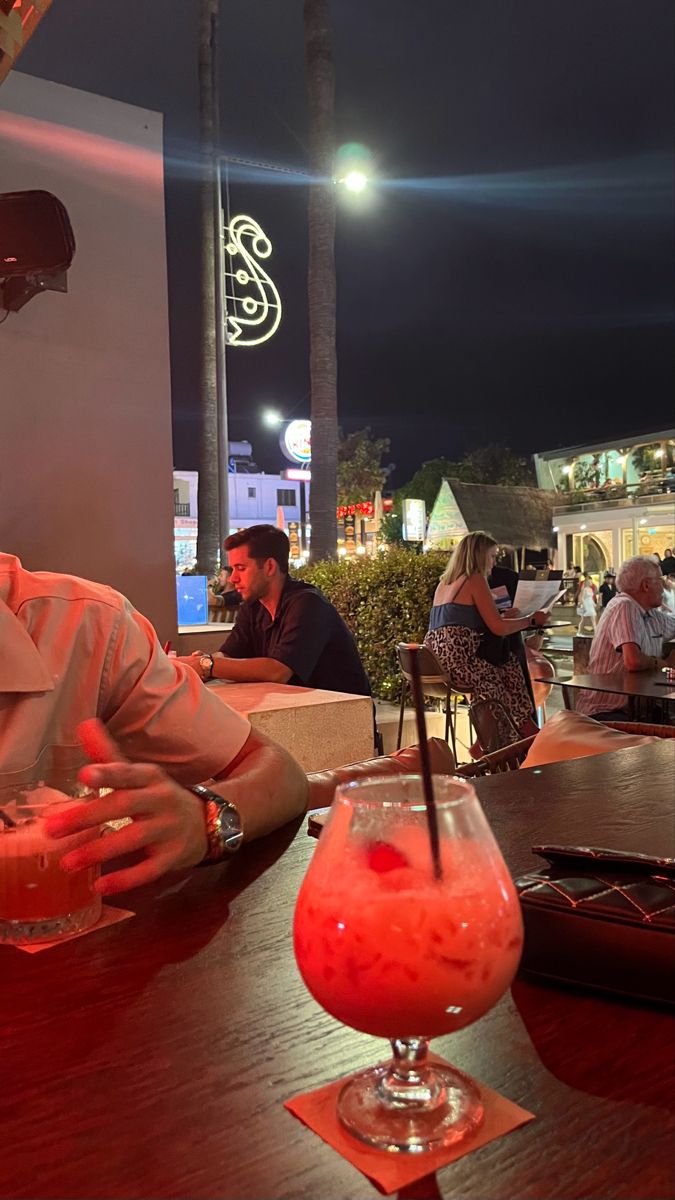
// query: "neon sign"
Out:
[253,317]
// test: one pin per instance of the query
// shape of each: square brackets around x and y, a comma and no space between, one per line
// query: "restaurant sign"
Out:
[414,520]
[295,544]
[295,441]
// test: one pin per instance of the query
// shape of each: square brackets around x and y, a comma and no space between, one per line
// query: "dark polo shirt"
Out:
[307,635]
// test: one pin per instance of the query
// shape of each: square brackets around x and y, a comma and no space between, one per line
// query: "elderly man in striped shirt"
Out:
[630,635]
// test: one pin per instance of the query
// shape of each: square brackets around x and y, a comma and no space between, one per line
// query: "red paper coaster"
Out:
[393,1171]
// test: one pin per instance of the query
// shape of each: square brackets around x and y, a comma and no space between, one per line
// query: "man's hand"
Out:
[167,822]
[540,617]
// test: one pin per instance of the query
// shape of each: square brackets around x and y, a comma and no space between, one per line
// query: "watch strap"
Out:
[223,824]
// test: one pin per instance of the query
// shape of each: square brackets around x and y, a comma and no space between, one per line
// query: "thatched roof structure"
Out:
[515,516]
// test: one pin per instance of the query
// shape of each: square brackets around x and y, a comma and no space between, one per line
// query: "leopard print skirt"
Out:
[456,648]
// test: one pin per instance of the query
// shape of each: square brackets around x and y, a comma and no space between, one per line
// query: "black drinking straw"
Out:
[429,800]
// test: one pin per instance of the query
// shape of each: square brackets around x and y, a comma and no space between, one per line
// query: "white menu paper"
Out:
[535,595]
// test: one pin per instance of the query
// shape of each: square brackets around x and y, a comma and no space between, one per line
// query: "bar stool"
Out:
[435,683]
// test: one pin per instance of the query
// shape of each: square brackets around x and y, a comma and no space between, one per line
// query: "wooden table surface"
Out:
[625,683]
[271,697]
[151,1059]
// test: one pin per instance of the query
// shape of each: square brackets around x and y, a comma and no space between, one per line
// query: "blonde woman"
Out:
[468,635]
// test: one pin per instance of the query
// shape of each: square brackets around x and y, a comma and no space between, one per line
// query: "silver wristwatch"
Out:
[223,824]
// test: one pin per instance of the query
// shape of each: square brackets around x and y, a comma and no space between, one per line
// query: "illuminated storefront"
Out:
[600,537]
[613,500]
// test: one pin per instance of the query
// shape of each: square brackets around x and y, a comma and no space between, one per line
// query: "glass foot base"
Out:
[450,1111]
[49,929]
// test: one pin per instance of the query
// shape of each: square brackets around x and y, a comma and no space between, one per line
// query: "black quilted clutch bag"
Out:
[601,919]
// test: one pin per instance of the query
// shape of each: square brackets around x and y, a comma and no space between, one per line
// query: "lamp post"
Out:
[209,531]
[221,375]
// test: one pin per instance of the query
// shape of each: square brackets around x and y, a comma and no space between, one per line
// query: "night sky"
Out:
[511,278]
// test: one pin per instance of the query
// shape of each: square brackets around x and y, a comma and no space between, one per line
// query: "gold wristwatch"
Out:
[206,665]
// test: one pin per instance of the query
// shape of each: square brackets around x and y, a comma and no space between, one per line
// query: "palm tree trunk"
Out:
[208,495]
[321,279]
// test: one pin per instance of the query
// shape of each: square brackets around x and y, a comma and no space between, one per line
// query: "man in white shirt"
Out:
[190,773]
[630,635]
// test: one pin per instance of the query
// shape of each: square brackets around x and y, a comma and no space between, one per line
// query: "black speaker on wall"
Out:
[37,245]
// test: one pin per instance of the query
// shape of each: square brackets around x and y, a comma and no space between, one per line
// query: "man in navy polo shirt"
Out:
[286,631]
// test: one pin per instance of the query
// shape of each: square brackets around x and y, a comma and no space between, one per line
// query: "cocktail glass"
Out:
[39,900]
[391,950]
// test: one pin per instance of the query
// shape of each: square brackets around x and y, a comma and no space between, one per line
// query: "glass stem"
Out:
[408,1082]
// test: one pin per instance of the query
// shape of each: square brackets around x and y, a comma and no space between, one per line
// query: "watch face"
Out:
[229,828]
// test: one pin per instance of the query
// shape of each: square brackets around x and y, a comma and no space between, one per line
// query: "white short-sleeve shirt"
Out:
[72,649]
[622,621]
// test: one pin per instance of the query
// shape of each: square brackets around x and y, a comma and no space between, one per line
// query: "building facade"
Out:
[255,499]
[613,500]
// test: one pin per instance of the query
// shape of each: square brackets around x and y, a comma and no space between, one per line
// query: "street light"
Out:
[272,418]
[355,181]
[353,167]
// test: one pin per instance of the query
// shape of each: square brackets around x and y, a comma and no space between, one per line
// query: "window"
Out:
[286,497]
[180,509]
[251,493]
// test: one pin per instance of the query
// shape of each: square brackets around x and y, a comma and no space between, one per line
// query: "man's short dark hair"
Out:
[263,541]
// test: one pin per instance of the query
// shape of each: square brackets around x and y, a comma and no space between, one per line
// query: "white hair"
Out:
[633,571]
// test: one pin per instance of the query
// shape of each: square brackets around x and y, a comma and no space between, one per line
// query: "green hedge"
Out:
[384,600]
